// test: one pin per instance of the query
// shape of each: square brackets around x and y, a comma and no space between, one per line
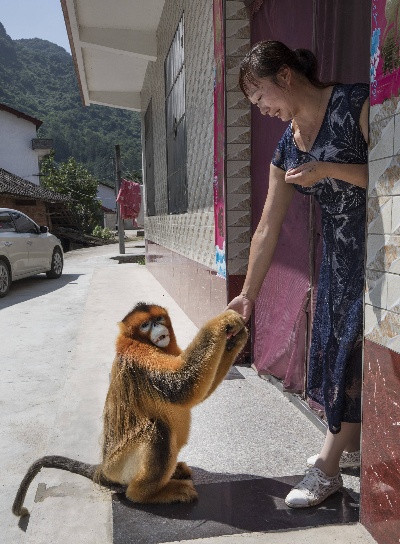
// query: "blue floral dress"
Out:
[335,367]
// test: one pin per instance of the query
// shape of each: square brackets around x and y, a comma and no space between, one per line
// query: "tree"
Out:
[38,78]
[72,179]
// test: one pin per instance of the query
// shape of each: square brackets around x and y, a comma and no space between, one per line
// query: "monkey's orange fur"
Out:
[153,387]
[154,423]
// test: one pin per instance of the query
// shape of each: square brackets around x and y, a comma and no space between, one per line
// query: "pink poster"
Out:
[385,50]
[219,138]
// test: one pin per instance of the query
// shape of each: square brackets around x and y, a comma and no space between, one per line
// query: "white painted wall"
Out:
[16,153]
[107,196]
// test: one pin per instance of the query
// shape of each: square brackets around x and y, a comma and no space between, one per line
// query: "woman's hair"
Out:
[266,58]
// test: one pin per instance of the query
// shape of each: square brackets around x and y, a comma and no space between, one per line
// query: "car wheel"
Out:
[56,264]
[5,278]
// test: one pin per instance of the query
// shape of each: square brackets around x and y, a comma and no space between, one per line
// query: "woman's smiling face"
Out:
[271,98]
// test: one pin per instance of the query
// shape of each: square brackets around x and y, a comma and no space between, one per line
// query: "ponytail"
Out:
[308,64]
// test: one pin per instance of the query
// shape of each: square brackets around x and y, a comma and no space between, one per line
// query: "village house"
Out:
[45,207]
[20,148]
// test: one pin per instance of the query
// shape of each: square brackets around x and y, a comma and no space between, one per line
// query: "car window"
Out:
[6,223]
[24,224]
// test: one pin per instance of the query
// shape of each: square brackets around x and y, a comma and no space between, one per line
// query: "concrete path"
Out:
[57,346]
[347,534]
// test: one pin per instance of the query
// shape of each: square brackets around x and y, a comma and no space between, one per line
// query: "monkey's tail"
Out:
[52,461]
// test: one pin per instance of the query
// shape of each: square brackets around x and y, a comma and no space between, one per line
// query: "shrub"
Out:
[104,233]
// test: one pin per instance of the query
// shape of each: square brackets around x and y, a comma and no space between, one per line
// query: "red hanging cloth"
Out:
[129,200]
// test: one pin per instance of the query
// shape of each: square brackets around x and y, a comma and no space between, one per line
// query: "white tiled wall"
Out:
[190,234]
[382,299]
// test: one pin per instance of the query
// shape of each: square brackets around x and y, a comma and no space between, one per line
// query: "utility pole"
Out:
[120,222]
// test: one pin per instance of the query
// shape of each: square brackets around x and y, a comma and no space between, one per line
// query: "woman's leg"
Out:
[334,446]
[355,442]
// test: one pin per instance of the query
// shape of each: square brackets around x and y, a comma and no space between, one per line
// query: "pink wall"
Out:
[196,288]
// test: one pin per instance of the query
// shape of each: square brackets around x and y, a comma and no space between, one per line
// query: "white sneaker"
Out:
[347,460]
[314,488]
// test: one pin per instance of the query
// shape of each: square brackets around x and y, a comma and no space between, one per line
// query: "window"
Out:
[149,161]
[6,223]
[24,224]
[25,203]
[176,123]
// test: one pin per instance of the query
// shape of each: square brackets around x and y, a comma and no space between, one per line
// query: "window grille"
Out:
[149,161]
[176,123]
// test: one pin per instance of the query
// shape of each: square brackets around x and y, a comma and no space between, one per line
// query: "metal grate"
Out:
[175,106]
[149,161]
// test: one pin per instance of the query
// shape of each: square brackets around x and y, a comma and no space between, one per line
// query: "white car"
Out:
[26,249]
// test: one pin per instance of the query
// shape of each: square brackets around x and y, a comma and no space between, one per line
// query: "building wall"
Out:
[190,234]
[238,139]
[190,238]
[180,248]
[196,288]
[107,196]
[16,153]
[380,465]
[380,480]
[382,310]
[35,209]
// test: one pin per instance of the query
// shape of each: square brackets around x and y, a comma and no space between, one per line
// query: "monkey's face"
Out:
[150,324]
[155,328]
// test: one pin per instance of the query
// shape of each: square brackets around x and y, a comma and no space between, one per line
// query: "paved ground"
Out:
[248,443]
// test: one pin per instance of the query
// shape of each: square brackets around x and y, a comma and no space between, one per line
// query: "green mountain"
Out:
[37,77]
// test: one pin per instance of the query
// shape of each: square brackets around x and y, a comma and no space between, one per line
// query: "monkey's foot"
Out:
[174,491]
[182,472]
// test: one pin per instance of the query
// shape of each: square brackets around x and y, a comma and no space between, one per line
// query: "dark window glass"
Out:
[24,224]
[25,202]
[175,106]
[149,161]
[6,223]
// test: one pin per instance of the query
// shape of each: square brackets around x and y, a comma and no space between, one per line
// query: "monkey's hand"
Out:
[234,335]
[235,329]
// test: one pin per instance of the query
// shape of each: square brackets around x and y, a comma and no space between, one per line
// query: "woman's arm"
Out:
[264,240]
[310,172]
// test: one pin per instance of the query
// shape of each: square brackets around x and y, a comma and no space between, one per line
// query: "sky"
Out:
[34,19]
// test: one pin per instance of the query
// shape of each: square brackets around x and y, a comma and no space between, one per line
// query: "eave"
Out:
[112,44]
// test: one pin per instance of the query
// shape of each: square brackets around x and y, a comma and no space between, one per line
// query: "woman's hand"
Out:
[306,174]
[309,173]
[242,305]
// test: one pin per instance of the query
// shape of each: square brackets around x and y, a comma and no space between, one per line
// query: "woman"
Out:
[322,153]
